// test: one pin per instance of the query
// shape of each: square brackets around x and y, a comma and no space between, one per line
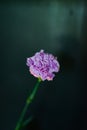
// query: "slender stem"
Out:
[27,121]
[28,101]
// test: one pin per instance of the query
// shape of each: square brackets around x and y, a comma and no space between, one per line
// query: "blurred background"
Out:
[60,28]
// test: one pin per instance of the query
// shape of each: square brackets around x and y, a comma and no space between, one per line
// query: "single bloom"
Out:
[43,65]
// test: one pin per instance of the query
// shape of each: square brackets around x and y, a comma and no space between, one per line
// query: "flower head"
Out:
[42,65]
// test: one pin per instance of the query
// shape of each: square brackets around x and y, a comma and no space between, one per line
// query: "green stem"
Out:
[27,121]
[28,101]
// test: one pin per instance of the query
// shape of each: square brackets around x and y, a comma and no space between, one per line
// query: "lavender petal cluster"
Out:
[43,65]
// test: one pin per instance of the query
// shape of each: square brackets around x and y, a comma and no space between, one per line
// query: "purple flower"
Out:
[42,65]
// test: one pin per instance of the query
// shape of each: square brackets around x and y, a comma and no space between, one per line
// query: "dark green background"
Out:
[59,104]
